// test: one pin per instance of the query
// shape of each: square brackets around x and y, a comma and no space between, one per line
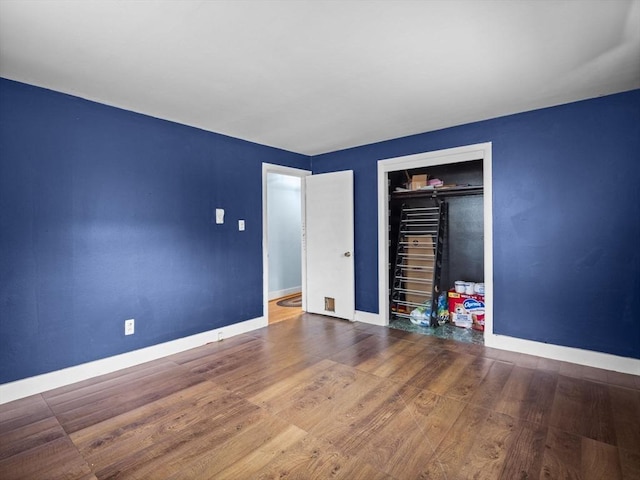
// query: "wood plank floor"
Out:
[279,314]
[315,397]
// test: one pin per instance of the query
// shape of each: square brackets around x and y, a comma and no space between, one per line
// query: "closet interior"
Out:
[436,250]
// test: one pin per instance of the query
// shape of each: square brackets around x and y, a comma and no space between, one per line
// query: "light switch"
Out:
[219,215]
[241,225]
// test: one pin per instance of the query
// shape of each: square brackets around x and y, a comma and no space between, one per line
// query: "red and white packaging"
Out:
[466,311]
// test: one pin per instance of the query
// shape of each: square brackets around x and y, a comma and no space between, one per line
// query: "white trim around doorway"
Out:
[268,168]
[478,151]
[481,151]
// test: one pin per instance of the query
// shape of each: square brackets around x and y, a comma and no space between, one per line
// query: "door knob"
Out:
[347,254]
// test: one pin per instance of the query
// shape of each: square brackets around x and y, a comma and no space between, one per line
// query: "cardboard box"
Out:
[466,311]
[422,267]
[418,181]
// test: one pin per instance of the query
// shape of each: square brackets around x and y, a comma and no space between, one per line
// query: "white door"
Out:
[329,244]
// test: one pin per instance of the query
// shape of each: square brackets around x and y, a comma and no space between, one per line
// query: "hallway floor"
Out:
[279,314]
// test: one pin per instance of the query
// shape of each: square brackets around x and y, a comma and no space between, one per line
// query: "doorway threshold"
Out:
[446,331]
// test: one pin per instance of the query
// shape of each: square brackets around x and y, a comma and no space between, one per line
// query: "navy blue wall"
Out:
[566,219]
[107,215]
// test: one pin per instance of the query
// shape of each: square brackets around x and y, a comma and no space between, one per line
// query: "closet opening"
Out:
[437,277]
[436,240]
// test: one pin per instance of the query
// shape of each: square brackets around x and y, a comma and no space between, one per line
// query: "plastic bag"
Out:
[443,309]
[420,315]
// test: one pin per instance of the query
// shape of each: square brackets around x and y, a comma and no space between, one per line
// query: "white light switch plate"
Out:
[219,215]
[241,225]
[129,326]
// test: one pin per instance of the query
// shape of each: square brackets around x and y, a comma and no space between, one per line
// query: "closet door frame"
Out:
[480,151]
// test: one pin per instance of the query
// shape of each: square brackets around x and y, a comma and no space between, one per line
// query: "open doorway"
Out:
[283,242]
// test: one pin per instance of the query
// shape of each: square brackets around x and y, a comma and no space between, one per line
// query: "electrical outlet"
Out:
[129,326]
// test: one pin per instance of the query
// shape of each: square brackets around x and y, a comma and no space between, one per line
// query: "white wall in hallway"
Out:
[284,234]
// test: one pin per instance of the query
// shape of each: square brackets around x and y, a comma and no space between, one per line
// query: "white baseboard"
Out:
[565,354]
[284,293]
[370,318]
[578,356]
[48,381]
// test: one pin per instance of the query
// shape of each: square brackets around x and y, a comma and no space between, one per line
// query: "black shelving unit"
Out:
[418,261]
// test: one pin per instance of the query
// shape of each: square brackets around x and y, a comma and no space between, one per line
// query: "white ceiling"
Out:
[314,76]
